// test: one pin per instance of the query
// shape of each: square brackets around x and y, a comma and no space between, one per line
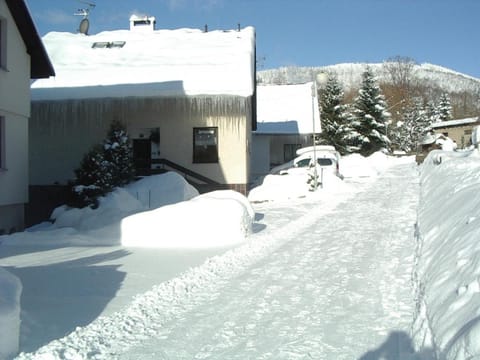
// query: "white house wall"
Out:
[77,125]
[15,79]
[15,110]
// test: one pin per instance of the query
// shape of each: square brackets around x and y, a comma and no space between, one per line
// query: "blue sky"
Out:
[304,32]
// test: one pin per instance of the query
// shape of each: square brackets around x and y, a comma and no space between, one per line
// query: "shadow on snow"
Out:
[398,346]
[75,295]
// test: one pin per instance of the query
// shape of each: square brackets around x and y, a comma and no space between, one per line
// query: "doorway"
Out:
[142,156]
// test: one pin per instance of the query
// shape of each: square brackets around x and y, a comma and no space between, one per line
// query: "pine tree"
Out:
[413,127]
[444,108]
[370,117]
[93,179]
[433,114]
[333,115]
[103,168]
[118,151]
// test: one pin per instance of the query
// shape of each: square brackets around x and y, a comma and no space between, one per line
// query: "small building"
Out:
[186,97]
[459,130]
[22,58]
[286,117]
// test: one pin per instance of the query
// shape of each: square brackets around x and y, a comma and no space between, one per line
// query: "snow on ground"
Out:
[323,275]
[448,269]
[10,290]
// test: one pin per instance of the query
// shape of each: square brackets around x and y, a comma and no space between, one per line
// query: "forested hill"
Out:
[349,75]
[400,79]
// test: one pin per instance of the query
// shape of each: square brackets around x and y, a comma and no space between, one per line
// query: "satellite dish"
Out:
[85,23]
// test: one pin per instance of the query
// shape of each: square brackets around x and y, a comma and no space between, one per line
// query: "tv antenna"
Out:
[85,23]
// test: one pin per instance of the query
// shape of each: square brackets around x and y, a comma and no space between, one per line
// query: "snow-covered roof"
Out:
[286,109]
[431,138]
[149,63]
[456,122]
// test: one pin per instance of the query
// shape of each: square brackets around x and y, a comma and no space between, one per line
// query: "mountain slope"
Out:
[349,75]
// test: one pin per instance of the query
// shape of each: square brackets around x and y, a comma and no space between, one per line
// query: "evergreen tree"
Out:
[118,151]
[433,114]
[444,108]
[370,117]
[103,168]
[413,126]
[350,134]
[93,179]
[333,115]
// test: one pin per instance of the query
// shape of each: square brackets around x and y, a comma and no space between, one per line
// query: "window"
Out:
[304,162]
[3,43]
[205,145]
[108,45]
[325,161]
[290,151]
[2,142]
[467,132]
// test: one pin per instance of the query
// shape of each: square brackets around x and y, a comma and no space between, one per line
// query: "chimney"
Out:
[142,23]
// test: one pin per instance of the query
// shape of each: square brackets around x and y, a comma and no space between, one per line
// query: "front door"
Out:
[142,156]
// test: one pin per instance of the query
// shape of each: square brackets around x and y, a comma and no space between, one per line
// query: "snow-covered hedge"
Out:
[447,275]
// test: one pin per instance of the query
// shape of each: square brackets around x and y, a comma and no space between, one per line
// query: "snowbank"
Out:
[100,226]
[147,193]
[448,270]
[206,221]
[357,166]
[10,290]
[157,211]
[293,184]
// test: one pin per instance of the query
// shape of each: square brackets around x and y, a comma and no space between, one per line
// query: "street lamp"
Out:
[321,79]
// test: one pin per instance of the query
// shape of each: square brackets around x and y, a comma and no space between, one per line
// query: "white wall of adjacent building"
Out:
[14,114]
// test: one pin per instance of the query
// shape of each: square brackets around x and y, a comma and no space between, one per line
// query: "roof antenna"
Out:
[85,23]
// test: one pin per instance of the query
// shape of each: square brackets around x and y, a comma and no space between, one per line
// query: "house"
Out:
[286,117]
[186,97]
[22,57]
[459,130]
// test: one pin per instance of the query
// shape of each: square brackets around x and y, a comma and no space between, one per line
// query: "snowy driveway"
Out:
[340,288]
[318,280]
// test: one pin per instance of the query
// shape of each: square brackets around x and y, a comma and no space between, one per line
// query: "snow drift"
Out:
[448,253]
[205,221]
[10,290]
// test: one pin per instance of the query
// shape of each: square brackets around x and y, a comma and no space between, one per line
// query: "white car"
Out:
[327,158]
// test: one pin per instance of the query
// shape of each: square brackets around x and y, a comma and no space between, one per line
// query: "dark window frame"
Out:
[205,154]
[3,43]
[290,149]
[2,143]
